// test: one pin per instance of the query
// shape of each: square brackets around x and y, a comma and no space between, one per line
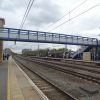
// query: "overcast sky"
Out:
[46,12]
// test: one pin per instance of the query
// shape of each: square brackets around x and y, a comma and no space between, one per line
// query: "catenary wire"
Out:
[67,13]
[26,13]
[75,16]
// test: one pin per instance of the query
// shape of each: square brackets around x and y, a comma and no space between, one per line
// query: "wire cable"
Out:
[26,13]
[75,16]
[67,13]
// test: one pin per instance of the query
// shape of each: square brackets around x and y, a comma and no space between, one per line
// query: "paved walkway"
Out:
[3,80]
[20,86]
[14,85]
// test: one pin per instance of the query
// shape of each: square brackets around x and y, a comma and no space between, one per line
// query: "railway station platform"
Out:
[15,84]
[3,80]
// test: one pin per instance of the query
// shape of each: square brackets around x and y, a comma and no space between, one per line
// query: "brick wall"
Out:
[2,22]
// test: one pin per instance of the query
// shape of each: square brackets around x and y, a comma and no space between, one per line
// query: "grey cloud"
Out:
[91,23]
[1,1]
[6,5]
[43,12]
[12,5]
[20,3]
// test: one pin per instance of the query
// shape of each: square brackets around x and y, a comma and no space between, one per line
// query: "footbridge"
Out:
[12,34]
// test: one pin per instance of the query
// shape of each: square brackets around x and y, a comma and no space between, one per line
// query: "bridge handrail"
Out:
[47,34]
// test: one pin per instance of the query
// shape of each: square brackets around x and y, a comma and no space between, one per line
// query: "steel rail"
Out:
[50,65]
[93,70]
[47,80]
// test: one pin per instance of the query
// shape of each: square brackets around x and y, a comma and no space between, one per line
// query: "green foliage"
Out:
[42,52]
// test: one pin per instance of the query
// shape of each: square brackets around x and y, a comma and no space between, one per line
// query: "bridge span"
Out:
[12,34]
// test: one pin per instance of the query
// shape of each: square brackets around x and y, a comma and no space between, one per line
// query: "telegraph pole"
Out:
[38,51]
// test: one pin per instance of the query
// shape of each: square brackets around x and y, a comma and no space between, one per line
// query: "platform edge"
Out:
[8,85]
[44,97]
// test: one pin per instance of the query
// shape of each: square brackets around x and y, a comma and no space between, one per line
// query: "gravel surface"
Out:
[67,82]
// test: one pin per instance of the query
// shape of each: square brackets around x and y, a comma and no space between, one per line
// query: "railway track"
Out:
[84,63]
[81,74]
[81,67]
[86,76]
[70,61]
[51,90]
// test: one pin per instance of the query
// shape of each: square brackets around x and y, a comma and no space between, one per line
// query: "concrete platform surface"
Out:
[20,87]
[3,80]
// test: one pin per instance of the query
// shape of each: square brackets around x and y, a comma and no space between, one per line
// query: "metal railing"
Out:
[13,34]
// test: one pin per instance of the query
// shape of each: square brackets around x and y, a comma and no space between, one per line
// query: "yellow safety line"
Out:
[8,88]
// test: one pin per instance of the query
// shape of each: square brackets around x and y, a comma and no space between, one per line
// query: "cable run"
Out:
[67,13]
[75,16]
[26,13]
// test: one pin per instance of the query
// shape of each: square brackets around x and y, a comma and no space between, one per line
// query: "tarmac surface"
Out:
[14,85]
[3,80]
